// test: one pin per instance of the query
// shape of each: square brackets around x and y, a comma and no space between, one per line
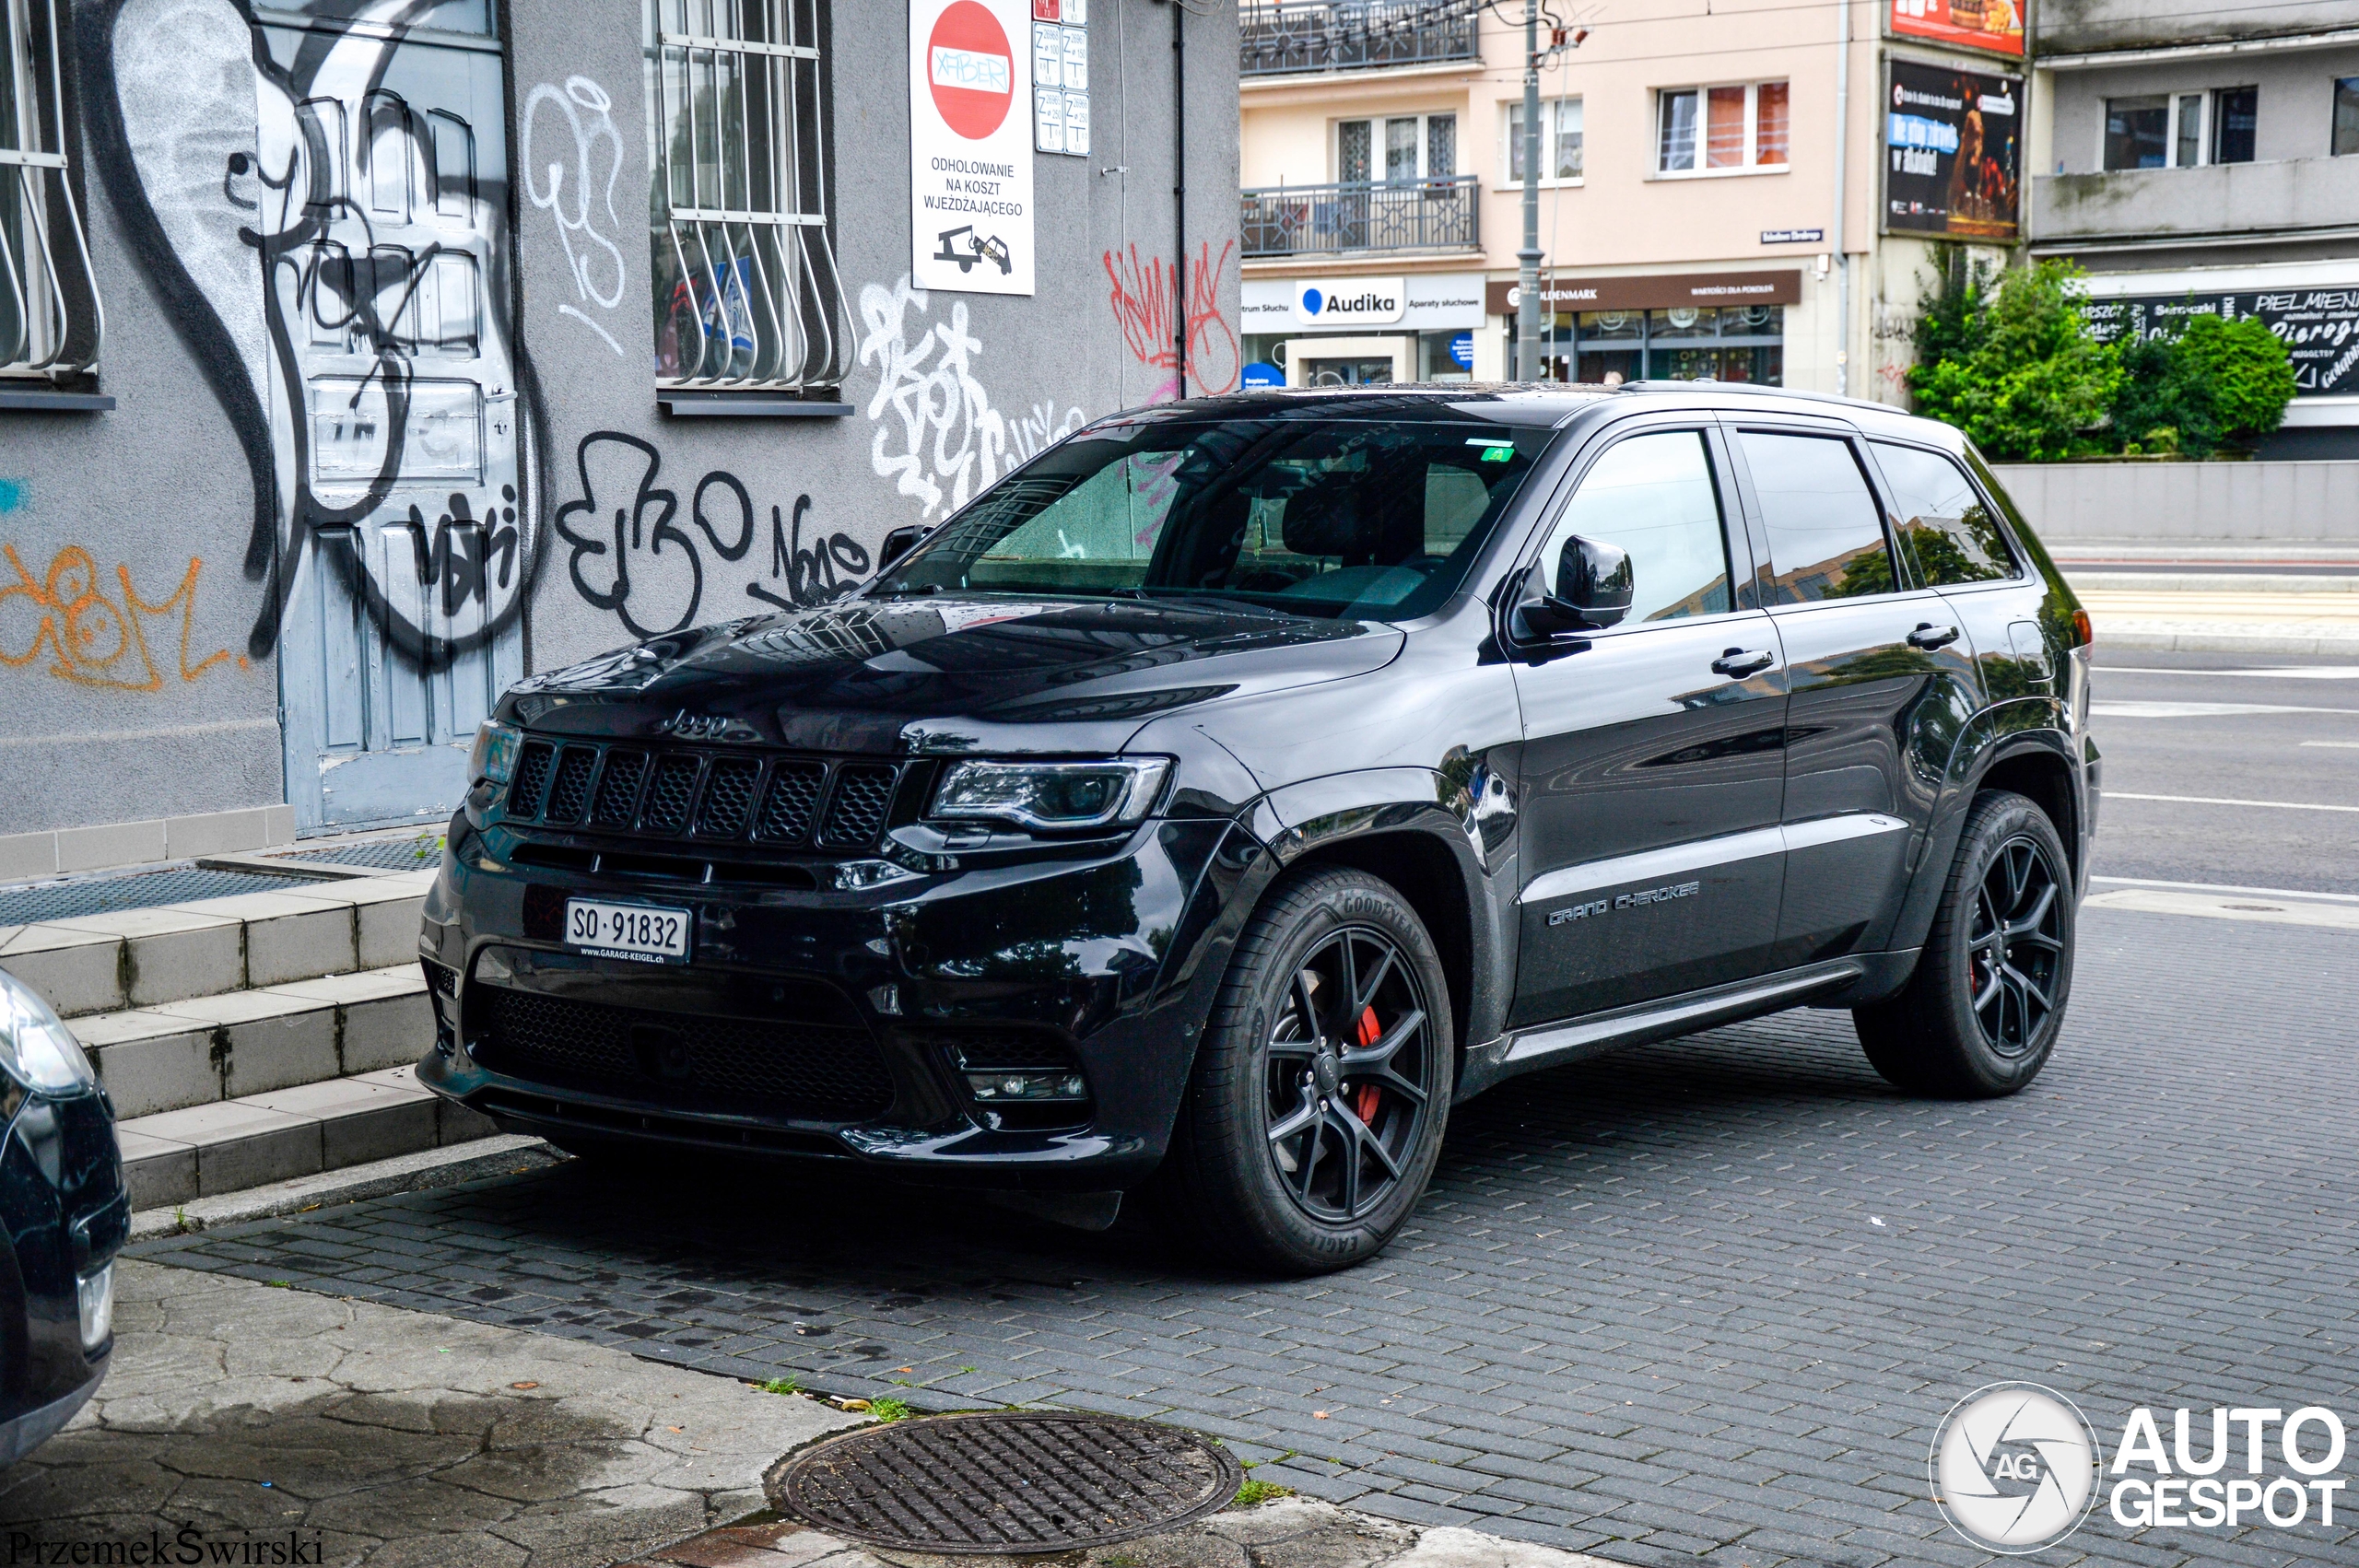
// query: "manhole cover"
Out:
[1012,1482]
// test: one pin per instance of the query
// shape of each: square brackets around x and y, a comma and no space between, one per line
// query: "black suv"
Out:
[1232,789]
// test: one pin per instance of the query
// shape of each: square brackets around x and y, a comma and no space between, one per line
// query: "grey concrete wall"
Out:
[2262,502]
[105,720]
[2065,27]
[2296,118]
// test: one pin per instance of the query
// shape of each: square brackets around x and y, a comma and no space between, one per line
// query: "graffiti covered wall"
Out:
[381,339]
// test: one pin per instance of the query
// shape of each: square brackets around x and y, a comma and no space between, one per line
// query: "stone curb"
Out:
[497,1155]
[2166,639]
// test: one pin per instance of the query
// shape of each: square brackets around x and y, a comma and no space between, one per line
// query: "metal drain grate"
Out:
[1005,1481]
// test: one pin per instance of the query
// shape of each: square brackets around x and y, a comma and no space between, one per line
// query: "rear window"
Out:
[1330,517]
[1947,532]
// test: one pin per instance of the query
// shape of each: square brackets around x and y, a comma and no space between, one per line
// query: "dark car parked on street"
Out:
[67,1214]
[1233,787]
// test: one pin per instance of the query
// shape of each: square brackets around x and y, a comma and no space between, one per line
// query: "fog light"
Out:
[94,1294]
[1000,1087]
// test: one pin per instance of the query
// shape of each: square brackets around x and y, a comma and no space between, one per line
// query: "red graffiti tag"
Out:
[1142,300]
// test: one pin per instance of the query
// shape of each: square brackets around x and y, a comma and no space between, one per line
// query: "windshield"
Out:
[1315,517]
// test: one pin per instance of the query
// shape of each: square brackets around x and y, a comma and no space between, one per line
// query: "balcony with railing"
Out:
[1363,220]
[1279,38]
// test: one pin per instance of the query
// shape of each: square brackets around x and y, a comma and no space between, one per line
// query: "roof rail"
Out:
[1759,390]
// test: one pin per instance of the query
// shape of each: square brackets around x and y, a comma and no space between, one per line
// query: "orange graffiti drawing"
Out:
[92,640]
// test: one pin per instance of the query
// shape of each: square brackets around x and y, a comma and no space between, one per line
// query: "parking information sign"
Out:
[970,145]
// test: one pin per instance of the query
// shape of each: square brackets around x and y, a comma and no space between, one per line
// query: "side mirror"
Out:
[898,543]
[1591,591]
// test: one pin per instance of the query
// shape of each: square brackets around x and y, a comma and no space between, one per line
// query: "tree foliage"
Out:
[2013,364]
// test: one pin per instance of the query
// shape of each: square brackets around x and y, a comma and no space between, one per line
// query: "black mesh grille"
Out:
[572,785]
[667,797]
[792,1068]
[856,805]
[1004,1050]
[785,801]
[786,808]
[619,789]
[728,797]
[532,775]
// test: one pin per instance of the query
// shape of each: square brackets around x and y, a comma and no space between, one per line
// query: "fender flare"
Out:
[2007,729]
[1320,817]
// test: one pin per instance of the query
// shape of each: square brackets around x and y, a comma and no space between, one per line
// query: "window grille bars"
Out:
[746,292]
[51,321]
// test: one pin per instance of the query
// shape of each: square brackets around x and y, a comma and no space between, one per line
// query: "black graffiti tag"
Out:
[810,574]
[631,557]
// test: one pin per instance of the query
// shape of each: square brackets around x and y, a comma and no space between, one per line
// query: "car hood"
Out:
[944,673]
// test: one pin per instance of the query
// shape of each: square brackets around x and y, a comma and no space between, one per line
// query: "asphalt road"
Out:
[2203,729]
[1704,1301]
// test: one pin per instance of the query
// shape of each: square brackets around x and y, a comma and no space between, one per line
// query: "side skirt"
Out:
[1834,982]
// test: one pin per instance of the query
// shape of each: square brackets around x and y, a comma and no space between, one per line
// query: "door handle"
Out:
[1930,637]
[1737,663]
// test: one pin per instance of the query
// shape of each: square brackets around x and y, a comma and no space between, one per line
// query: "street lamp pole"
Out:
[1526,310]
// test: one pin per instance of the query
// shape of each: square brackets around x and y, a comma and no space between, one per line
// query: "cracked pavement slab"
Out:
[394,1438]
[1287,1532]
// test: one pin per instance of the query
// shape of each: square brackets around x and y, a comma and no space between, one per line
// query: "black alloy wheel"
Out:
[2017,944]
[1980,1015]
[1349,1069]
[1321,1086]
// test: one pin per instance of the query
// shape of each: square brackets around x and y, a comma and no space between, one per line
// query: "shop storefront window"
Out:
[1744,342]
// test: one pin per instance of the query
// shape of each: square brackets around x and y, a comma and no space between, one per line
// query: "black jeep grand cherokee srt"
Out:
[1230,790]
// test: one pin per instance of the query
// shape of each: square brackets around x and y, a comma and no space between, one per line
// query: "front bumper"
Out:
[67,1214]
[839,1025]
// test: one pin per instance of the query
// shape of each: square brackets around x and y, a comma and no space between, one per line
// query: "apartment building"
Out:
[2206,161]
[1695,216]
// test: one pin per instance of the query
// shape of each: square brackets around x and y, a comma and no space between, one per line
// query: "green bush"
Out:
[2014,364]
[2216,383]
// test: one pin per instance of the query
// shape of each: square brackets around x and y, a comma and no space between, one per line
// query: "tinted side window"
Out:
[1825,536]
[1949,534]
[1653,498]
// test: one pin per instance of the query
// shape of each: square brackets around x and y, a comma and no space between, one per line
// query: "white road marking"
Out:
[2227,907]
[2222,801]
[2284,673]
[2227,887]
[2343,746]
[2103,710]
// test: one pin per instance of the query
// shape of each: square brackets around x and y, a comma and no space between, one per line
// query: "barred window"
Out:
[50,321]
[746,293]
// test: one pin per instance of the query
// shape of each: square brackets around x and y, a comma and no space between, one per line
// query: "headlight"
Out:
[1051,796]
[494,754]
[35,1048]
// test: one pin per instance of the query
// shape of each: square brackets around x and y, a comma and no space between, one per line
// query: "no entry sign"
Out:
[971,149]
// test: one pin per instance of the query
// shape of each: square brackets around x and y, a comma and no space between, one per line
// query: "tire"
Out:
[1277,1053]
[1979,1017]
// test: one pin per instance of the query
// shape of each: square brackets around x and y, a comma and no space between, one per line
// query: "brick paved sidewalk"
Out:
[1708,1298]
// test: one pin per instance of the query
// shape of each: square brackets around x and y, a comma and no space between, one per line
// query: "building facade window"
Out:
[1415,146]
[746,293]
[51,321]
[1560,141]
[1722,130]
[2346,116]
[2137,131]
[2235,115]
[1734,343]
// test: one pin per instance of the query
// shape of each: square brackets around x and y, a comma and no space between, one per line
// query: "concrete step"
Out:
[232,1145]
[146,958]
[174,1054]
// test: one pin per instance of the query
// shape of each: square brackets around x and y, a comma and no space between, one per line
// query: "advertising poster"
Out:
[1953,152]
[1995,25]
[2318,326]
[970,145]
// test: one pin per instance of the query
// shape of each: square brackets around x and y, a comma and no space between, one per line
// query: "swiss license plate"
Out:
[646,933]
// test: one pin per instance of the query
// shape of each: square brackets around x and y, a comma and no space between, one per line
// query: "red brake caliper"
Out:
[1366,1099]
